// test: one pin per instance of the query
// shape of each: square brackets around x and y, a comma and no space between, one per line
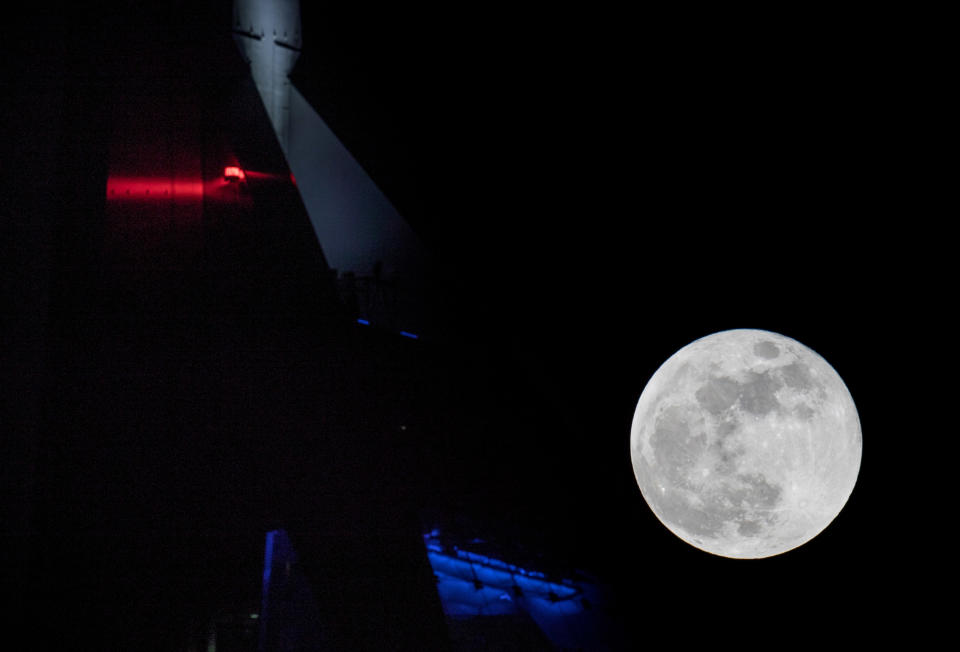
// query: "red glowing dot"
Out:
[233,173]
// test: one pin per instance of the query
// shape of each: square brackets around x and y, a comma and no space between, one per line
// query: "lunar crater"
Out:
[759,394]
[767,350]
[718,394]
[796,375]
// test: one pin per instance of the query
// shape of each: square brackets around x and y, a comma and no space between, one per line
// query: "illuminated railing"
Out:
[485,571]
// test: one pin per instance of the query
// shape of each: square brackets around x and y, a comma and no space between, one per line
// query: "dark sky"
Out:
[598,190]
[605,189]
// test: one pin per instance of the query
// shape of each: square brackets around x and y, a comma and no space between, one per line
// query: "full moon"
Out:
[746,444]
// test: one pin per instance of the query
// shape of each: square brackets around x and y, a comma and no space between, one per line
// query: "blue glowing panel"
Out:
[289,617]
[474,587]
[494,577]
[267,566]
[496,563]
[461,597]
[450,565]
[543,588]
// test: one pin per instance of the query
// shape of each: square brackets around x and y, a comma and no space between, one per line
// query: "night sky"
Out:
[595,191]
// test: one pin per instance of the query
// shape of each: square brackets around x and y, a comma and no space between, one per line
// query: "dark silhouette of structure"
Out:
[203,382]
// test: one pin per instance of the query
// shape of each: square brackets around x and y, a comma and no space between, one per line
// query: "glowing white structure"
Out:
[359,230]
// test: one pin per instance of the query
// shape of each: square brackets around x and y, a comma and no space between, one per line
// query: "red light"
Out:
[153,188]
[233,173]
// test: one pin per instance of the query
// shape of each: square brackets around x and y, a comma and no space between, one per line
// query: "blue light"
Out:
[289,611]
[410,335]
[489,561]
[495,573]
[450,566]
[268,559]
[461,597]
[363,321]
[267,565]
[470,584]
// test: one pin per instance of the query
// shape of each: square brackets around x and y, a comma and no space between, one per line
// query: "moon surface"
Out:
[746,444]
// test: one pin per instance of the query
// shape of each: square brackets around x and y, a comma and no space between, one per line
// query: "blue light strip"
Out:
[470,584]
[494,572]
[412,336]
[267,565]
[496,563]
[268,561]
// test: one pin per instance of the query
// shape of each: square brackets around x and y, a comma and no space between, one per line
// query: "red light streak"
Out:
[144,188]
[120,188]
[251,174]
